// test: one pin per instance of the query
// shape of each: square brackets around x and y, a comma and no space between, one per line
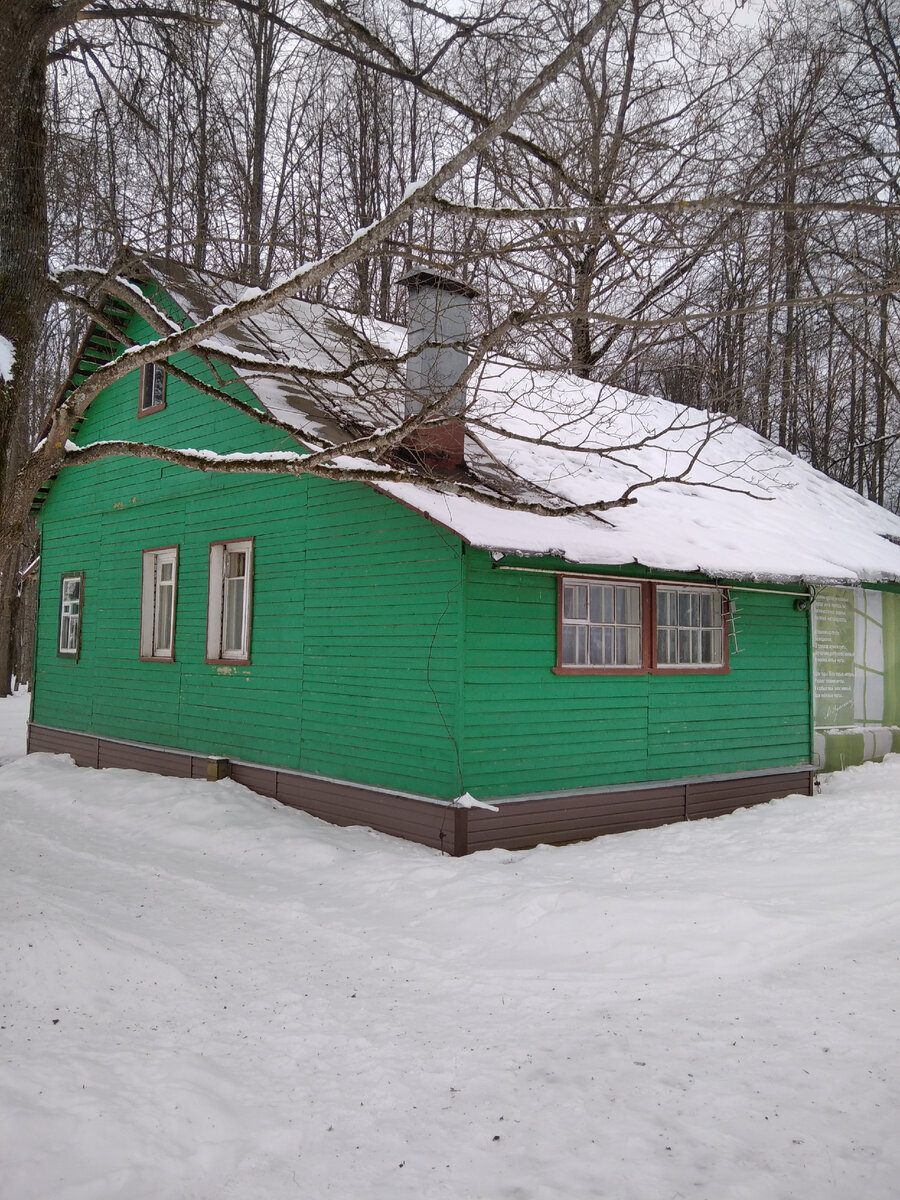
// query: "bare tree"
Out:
[674,205]
[24,283]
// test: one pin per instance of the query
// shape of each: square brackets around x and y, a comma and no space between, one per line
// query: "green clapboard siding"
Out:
[355,626]
[382,653]
[529,730]
[382,645]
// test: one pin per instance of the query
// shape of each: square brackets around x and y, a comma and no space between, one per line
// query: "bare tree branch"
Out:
[639,208]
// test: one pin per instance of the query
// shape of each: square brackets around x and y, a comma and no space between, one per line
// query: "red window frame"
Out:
[649,664]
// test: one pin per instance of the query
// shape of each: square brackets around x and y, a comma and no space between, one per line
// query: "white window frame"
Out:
[157,645]
[221,587]
[153,379]
[616,633]
[71,610]
[714,629]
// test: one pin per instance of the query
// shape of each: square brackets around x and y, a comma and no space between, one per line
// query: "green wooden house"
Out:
[428,663]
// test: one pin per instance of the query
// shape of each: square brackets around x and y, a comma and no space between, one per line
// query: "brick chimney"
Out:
[439,313]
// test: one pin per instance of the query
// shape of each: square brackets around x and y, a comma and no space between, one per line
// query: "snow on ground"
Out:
[13,715]
[204,995]
[7,358]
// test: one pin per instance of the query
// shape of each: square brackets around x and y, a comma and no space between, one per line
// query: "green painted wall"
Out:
[344,679]
[528,730]
[382,651]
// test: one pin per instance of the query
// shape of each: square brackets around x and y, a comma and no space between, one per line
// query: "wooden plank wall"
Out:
[528,730]
[381,643]
[381,653]
[355,638]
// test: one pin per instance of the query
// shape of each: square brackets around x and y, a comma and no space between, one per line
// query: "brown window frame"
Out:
[146,373]
[150,615]
[649,664]
[76,653]
[215,612]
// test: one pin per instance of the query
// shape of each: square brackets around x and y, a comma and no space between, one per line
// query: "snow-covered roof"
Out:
[727,502]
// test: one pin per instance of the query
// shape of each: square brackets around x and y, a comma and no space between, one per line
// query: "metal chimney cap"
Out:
[422,277]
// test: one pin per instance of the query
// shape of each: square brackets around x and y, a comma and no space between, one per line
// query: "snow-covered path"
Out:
[207,996]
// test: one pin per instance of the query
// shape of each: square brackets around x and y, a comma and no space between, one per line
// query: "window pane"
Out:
[706,613]
[597,659]
[603,646]
[233,628]
[621,649]
[609,645]
[235,561]
[712,647]
[684,645]
[568,645]
[665,607]
[718,649]
[632,647]
[628,646]
[609,605]
[153,387]
[163,632]
[665,646]
[688,609]
[574,645]
[628,605]
[582,644]
[575,602]
[601,604]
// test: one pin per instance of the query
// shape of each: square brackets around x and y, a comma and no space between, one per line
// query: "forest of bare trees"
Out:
[700,204]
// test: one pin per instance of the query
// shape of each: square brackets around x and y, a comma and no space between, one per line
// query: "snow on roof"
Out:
[726,502]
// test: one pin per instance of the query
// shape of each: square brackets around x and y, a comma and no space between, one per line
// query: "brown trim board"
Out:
[521,822]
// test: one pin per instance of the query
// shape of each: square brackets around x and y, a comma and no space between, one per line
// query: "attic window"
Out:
[624,627]
[153,390]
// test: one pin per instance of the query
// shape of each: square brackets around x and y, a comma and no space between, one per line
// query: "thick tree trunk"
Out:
[25,29]
[23,206]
